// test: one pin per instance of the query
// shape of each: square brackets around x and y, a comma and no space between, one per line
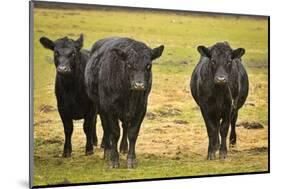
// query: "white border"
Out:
[15,93]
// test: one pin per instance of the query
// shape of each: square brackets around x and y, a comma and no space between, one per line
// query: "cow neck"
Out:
[135,100]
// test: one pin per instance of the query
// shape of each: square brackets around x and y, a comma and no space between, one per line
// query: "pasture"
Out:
[173,138]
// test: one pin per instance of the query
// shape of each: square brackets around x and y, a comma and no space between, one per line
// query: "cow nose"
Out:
[139,85]
[220,79]
[63,69]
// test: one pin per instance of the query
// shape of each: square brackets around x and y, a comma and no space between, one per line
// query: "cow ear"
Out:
[79,42]
[237,53]
[47,43]
[120,53]
[157,52]
[204,51]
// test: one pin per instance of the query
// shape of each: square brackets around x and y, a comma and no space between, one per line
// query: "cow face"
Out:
[221,57]
[66,52]
[138,65]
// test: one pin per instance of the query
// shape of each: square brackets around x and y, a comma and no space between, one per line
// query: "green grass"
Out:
[165,147]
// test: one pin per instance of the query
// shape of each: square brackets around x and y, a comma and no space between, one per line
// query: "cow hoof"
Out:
[211,156]
[66,154]
[223,155]
[89,152]
[115,165]
[131,163]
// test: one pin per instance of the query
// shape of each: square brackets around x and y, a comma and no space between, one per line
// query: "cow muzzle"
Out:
[220,80]
[138,86]
[63,70]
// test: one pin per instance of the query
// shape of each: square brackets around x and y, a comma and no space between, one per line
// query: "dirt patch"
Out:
[184,62]
[250,125]
[46,108]
[167,141]
[149,156]
[250,104]
[167,126]
[53,141]
[159,131]
[150,116]
[176,158]
[259,149]
[256,150]
[167,111]
[42,141]
[43,122]
[181,122]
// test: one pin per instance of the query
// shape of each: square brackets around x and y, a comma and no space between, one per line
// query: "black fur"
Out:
[219,67]
[72,100]
[118,74]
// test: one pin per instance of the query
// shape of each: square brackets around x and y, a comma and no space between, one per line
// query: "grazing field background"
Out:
[173,139]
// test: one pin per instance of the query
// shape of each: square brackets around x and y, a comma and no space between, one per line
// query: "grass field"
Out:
[173,139]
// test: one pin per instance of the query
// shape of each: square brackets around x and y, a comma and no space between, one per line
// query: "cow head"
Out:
[138,63]
[221,57]
[66,52]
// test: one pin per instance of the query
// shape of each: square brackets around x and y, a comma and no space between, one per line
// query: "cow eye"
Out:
[148,66]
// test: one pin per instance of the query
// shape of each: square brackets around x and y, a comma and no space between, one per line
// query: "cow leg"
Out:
[114,137]
[68,130]
[212,129]
[124,141]
[212,124]
[95,138]
[132,135]
[218,141]
[133,132]
[223,132]
[106,137]
[232,139]
[88,130]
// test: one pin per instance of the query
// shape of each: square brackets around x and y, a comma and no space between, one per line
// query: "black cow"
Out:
[219,84]
[118,74]
[72,100]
